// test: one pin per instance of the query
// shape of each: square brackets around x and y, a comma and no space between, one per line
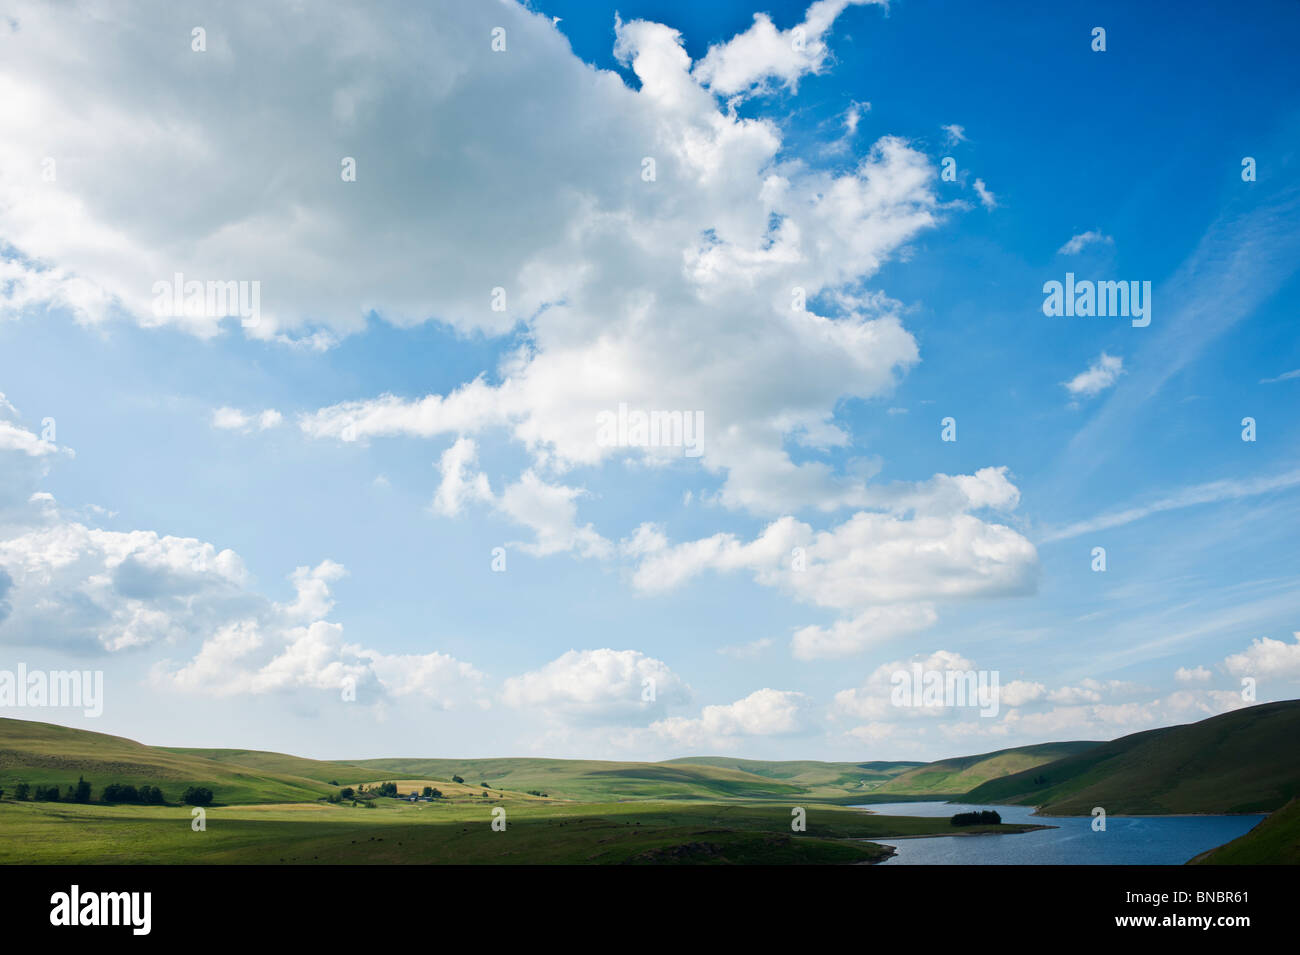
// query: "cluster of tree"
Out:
[986,817]
[120,792]
[457,779]
[77,793]
[536,792]
[197,796]
[432,793]
[386,789]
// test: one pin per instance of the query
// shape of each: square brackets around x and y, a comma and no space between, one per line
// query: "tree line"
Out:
[112,793]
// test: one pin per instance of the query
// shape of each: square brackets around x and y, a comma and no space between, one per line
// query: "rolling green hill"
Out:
[1243,761]
[1275,841]
[44,754]
[593,779]
[832,781]
[277,764]
[964,773]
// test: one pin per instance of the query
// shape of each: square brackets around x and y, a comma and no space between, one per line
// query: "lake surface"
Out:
[1128,840]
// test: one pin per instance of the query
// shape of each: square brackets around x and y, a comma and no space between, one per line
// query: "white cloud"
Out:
[1285,376]
[1192,675]
[1020,692]
[70,587]
[761,53]
[1101,374]
[24,456]
[1078,243]
[457,485]
[551,512]
[879,570]
[232,419]
[1091,691]
[872,700]
[1267,659]
[598,687]
[1209,493]
[954,134]
[989,200]
[764,712]
[850,636]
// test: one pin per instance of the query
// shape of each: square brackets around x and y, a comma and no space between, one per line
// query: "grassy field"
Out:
[1243,761]
[47,754]
[1275,841]
[273,807]
[457,830]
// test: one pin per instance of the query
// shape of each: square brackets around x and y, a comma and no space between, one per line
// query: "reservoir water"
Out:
[1128,840]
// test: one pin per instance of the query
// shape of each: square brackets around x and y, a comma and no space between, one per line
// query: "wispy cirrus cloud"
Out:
[1209,493]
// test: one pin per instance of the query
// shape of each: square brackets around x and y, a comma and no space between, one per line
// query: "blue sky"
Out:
[383,429]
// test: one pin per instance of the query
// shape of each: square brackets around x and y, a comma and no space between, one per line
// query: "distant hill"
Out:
[838,781]
[45,754]
[592,779]
[278,764]
[1244,761]
[951,777]
[1275,841]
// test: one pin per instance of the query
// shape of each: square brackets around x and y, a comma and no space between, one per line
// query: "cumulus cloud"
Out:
[1267,659]
[762,53]
[274,647]
[873,699]
[68,586]
[458,483]
[1101,374]
[989,200]
[764,712]
[850,636]
[598,687]
[1028,710]
[879,569]
[638,286]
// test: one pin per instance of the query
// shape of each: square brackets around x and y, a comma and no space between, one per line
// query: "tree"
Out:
[197,796]
[985,818]
[22,792]
[82,792]
[428,791]
[121,792]
[346,792]
[434,793]
[457,779]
